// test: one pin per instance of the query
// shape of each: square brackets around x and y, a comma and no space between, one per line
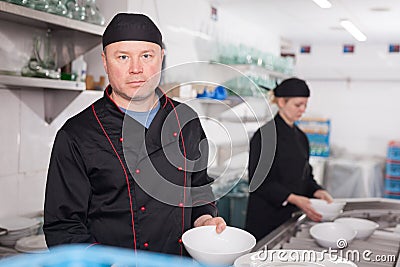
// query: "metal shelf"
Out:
[29,82]
[222,72]
[70,38]
[39,19]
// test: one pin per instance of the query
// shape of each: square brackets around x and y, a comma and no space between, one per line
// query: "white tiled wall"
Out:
[31,187]
[9,194]
[34,148]
[9,132]
[26,141]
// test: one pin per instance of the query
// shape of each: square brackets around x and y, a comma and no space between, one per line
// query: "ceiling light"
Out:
[323,3]
[353,30]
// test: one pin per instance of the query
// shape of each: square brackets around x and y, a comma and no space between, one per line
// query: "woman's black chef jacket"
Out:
[87,196]
[290,173]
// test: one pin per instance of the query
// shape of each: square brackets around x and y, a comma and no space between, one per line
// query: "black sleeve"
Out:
[312,185]
[67,195]
[261,172]
[203,200]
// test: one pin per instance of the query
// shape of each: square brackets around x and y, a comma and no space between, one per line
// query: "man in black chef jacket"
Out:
[131,169]
[286,185]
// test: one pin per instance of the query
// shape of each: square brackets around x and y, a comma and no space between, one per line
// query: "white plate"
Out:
[32,244]
[291,258]
[17,223]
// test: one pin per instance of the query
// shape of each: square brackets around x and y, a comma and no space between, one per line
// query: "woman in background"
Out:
[289,183]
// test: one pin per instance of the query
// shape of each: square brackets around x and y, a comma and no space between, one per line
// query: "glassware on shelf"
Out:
[57,7]
[76,9]
[41,5]
[42,62]
[93,14]
[17,2]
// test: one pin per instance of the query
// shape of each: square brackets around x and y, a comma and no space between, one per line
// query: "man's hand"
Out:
[304,204]
[209,220]
[324,195]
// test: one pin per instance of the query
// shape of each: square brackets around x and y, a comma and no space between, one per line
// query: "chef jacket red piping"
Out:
[112,100]
[126,176]
[184,169]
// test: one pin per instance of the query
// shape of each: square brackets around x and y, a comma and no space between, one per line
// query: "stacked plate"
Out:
[32,244]
[17,228]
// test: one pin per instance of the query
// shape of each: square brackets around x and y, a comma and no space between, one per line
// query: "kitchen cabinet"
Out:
[69,39]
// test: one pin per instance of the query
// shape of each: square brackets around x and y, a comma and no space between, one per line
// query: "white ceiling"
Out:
[303,22]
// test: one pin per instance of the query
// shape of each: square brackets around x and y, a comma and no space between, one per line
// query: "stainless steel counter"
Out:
[384,244]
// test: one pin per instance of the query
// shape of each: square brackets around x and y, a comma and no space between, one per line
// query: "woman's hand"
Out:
[324,195]
[209,220]
[304,204]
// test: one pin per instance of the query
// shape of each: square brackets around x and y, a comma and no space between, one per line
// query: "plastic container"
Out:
[96,256]
[79,67]
[393,168]
[392,195]
[318,132]
[392,187]
[393,152]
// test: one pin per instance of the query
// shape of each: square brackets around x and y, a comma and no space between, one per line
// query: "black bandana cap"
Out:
[131,27]
[292,87]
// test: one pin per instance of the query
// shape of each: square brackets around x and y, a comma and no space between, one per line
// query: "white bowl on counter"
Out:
[365,228]
[206,246]
[333,234]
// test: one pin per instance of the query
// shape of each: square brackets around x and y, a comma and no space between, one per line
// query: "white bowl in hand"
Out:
[333,234]
[206,246]
[329,216]
[322,206]
[365,228]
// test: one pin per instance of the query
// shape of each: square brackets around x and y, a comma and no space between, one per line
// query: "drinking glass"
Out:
[93,14]
[57,7]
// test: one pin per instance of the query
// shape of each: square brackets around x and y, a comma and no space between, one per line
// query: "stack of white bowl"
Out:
[17,228]
[329,211]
